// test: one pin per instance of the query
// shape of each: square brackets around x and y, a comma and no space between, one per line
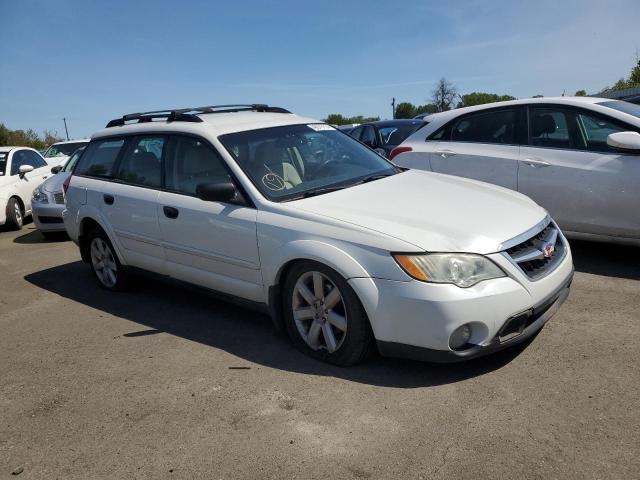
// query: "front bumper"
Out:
[48,216]
[413,319]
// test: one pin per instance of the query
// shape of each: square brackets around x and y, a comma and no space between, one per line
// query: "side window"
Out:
[35,160]
[99,158]
[595,129]
[356,132]
[491,127]
[189,163]
[553,128]
[142,162]
[369,136]
[19,158]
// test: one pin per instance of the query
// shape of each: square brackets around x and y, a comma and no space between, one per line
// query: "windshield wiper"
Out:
[371,178]
[320,191]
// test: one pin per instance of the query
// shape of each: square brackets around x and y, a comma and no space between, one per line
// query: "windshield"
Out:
[397,134]
[3,162]
[63,149]
[296,161]
[73,159]
[626,107]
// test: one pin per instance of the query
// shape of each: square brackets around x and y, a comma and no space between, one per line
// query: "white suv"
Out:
[347,251]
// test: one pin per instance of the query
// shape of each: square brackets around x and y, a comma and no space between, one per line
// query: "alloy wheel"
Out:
[103,262]
[17,213]
[319,312]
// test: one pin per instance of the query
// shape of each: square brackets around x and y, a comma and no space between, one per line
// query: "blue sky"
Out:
[95,60]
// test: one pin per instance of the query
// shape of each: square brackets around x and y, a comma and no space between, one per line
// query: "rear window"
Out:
[99,158]
[395,135]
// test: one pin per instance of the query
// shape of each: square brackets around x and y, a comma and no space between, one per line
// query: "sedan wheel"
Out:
[17,214]
[103,262]
[319,312]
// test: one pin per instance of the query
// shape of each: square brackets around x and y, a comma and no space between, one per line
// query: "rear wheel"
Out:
[15,215]
[104,262]
[324,317]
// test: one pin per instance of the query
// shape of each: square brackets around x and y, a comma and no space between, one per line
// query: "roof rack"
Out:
[191,114]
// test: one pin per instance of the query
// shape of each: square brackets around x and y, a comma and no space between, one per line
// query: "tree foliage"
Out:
[27,138]
[581,93]
[633,81]
[409,110]
[338,119]
[444,95]
[480,98]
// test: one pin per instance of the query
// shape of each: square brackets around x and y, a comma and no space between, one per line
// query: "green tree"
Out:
[338,119]
[405,110]
[480,98]
[581,93]
[444,95]
[427,108]
[27,138]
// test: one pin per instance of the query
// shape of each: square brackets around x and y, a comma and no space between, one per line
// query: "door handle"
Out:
[108,199]
[445,153]
[535,163]
[170,212]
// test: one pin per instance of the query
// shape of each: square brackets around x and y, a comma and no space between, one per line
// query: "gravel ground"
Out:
[166,382]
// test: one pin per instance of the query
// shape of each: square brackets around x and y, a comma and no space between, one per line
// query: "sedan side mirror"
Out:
[216,192]
[24,169]
[625,141]
[56,169]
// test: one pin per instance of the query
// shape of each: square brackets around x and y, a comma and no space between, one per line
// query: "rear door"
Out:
[569,169]
[212,244]
[482,145]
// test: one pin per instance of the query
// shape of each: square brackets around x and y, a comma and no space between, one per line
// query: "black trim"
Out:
[539,317]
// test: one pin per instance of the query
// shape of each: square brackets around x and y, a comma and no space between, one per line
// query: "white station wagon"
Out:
[348,252]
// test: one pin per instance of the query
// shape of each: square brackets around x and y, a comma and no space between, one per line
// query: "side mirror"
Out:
[24,169]
[56,169]
[216,192]
[625,141]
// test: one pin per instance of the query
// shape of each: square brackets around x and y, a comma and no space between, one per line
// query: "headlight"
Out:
[39,196]
[461,269]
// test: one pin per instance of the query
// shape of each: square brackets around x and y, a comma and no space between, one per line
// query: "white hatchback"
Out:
[578,157]
[346,251]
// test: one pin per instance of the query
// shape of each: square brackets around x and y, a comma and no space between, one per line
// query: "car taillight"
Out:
[398,150]
[65,185]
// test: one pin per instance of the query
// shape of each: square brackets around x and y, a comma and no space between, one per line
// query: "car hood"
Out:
[54,183]
[431,211]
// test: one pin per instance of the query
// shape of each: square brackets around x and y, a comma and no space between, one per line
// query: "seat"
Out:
[271,158]
[145,168]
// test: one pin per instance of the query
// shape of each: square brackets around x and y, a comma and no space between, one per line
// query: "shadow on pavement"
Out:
[34,236]
[606,259]
[164,306]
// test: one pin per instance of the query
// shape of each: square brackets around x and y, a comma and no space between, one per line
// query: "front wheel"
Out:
[15,216]
[324,317]
[105,263]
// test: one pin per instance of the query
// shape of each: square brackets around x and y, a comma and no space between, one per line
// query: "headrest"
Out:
[542,124]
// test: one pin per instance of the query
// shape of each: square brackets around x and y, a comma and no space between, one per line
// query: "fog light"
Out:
[460,337]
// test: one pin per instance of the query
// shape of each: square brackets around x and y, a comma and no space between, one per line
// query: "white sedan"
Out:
[347,251]
[578,157]
[22,169]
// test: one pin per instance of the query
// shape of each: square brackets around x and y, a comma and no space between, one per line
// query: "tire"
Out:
[332,327]
[108,270]
[15,215]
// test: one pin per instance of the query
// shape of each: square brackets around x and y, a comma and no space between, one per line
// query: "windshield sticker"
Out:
[320,127]
[273,182]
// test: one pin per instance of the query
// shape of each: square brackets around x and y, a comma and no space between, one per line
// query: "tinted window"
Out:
[554,128]
[25,157]
[356,132]
[626,107]
[3,162]
[142,162]
[398,134]
[595,130]
[189,163]
[491,127]
[35,159]
[73,159]
[99,158]
[368,136]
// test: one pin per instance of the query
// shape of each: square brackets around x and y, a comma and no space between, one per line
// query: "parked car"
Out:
[346,250]
[47,201]
[59,153]
[22,169]
[577,157]
[347,128]
[423,116]
[384,135]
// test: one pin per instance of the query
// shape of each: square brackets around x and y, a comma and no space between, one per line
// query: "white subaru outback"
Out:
[348,252]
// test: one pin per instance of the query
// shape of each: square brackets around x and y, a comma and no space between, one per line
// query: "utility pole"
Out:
[393,108]
[65,127]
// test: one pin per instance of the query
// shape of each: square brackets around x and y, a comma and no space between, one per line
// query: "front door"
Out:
[25,184]
[569,169]
[211,244]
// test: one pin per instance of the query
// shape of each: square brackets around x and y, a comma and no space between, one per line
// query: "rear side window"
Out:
[492,127]
[99,158]
[141,163]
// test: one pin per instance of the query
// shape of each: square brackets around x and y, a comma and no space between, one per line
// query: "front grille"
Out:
[540,254]
[59,197]
[49,219]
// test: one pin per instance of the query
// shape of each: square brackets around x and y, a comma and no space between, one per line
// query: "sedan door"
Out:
[569,169]
[26,184]
[213,244]
[481,145]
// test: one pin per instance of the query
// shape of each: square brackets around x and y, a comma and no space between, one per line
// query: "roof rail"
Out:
[191,114]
